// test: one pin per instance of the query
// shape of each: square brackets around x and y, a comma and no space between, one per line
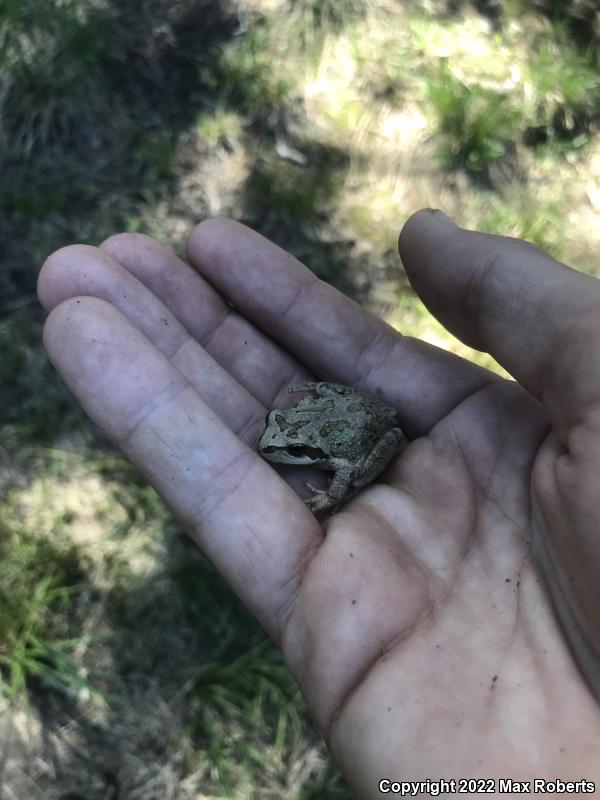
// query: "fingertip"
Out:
[124,239]
[64,273]
[133,250]
[55,335]
[44,287]
[206,238]
[63,314]
[418,227]
[50,280]
[71,319]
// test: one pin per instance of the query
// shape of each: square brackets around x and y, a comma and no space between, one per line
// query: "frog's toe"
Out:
[320,502]
[314,489]
[307,386]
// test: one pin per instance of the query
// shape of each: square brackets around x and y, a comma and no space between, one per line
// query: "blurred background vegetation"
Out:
[127,668]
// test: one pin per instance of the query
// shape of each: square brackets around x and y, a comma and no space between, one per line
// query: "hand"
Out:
[446,622]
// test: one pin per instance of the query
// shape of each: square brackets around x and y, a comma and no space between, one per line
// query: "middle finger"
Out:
[260,365]
[237,394]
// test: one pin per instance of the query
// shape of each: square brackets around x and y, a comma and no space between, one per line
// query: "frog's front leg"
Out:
[338,490]
[380,456]
[321,388]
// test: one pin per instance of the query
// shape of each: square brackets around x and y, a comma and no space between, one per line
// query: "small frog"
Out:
[337,428]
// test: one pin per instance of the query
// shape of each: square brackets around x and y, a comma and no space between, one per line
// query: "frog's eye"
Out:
[298,449]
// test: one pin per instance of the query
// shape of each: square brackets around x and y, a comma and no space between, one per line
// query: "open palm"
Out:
[446,622]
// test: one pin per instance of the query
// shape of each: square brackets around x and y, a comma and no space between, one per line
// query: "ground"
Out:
[128,668]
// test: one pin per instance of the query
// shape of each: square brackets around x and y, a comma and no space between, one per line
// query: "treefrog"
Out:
[333,427]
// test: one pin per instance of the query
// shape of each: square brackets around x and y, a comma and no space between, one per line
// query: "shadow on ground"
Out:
[94,124]
[118,93]
[191,687]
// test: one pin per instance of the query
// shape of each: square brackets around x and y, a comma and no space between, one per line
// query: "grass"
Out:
[34,408]
[318,21]
[475,123]
[53,52]
[258,699]
[38,583]
[219,128]
[540,226]
[243,78]
[322,125]
[557,105]
[565,103]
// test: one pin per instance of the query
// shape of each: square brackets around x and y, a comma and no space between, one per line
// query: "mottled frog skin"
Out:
[333,427]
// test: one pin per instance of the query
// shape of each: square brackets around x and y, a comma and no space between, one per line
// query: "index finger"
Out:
[333,336]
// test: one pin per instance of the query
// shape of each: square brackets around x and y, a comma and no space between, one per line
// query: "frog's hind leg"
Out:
[322,388]
[307,386]
[380,456]
[338,491]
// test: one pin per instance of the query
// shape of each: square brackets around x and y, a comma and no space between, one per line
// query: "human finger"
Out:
[235,367]
[247,521]
[325,330]
[82,270]
[258,363]
[539,318]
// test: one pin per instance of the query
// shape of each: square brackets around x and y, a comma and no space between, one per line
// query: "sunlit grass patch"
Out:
[237,703]
[169,628]
[331,95]
[251,731]
[540,224]
[39,582]
[376,203]
[563,95]
[219,128]
[579,17]
[317,23]
[475,123]
[470,46]
[411,318]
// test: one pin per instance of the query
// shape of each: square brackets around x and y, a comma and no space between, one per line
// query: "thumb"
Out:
[537,317]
